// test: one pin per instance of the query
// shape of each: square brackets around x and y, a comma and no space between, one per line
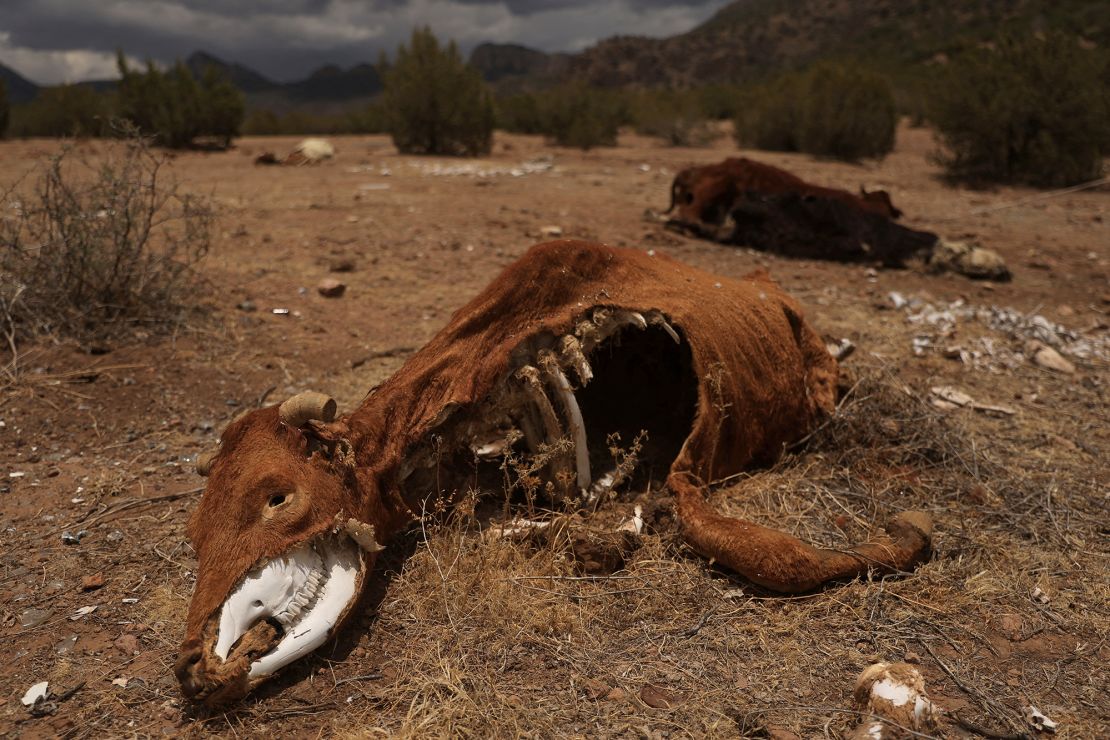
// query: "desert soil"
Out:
[1012,611]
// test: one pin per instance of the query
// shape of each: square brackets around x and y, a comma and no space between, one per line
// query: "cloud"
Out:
[54,40]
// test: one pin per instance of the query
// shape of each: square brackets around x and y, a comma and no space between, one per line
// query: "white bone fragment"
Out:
[635,525]
[35,694]
[516,527]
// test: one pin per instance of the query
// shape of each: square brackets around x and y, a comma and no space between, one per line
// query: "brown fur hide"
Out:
[758,378]
[741,201]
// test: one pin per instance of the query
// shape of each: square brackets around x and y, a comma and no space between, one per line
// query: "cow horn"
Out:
[307,406]
[363,534]
[204,462]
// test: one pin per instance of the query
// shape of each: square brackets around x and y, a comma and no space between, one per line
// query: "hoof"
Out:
[919,520]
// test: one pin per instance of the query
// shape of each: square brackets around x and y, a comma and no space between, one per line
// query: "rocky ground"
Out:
[954,408]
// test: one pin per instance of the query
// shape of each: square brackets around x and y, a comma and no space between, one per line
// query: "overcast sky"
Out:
[51,41]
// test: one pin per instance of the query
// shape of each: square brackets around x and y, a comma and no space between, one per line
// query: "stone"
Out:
[330,288]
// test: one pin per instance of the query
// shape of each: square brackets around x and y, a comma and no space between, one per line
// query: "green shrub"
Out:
[769,116]
[5,109]
[520,114]
[436,103]
[848,113]
[175,108]
[833,110]
[369,119]
[1034,111]
[65,110]
[95,247]
[578,116]
[673,116]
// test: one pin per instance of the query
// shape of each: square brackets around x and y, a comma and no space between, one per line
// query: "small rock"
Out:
[595,689]
[616,694]
[121,682]
[246,306]
[1039,596]
[551,232]
[1065,311]
[1010,625]
[69,538]
[33,617]
[330,288]
[127,644]
[911,657]
[658,698]
[1049,358]
[342,264]
[93,582]
[66,644]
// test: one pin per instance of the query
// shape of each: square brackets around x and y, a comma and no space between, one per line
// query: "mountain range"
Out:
[744,40]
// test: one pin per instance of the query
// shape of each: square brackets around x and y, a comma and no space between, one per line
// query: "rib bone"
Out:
[574,414]
[655,318]
[570,350]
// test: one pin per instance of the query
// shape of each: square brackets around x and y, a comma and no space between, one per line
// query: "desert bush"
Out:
[176,108]
[65,110]
[5,109]
[369,119]
[436,103]
[835,110]
[1033,111]
[87,249]
[519,114]
[673,116]
[578,116]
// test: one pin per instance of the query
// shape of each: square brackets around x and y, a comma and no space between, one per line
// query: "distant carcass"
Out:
[744,202]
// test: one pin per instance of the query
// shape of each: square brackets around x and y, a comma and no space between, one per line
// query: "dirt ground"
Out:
[1012,611]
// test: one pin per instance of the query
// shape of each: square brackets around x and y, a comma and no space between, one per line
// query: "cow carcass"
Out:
[308,151]
[744,202]
[572,343]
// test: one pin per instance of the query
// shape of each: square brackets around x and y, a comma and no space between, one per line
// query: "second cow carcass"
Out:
[749,203]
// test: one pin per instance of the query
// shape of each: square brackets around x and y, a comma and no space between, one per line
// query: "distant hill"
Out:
[747,38]
[20,89]
[244,78]
[509,62]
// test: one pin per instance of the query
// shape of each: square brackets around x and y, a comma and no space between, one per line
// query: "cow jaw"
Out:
[303,593]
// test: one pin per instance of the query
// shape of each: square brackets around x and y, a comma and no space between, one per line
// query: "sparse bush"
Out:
[520,114]
[833,110]
[436,103]
[675,117]
[87,249]
[1034,111]
[575,115]
[369,119]
[65,110]
[769,116]
[175,108]
[5,109]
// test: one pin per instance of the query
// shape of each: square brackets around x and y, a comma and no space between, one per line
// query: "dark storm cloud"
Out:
[54,40]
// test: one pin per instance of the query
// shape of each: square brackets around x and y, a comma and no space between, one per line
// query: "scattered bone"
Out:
[947,398]
[35,694]
[1039,721]
[466,169]
[893,692]
[515,528]
[1048,358]
[1039,596]
[635,525]
[968,259]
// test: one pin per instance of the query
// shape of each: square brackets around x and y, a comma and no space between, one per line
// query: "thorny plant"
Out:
[88,249]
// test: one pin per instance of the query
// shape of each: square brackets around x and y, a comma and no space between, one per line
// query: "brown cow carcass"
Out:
[572,343]
[749,203]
